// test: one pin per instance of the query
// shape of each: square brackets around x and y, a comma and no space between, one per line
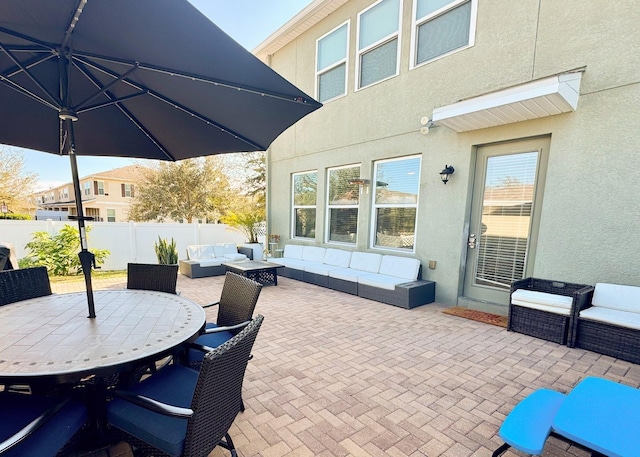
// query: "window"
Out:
[342,208]
[111,215]
[305,186]
[127,190]
[87,188]
[99,187]
[397,185]
[378,42]
[331,64]
[441,27]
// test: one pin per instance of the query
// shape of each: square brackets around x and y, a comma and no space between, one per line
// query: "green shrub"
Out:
[59,253]
[15,216]
[166,252]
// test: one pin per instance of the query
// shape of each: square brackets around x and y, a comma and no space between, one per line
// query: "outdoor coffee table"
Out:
[266,273]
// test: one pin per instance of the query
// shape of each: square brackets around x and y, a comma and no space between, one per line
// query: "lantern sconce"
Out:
[444,174]
[427,124]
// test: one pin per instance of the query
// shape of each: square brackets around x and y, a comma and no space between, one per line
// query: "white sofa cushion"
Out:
[223,249]
[612,316]
[365,261]
[236,256]
[381,281]
[200,252]
[400,267]
[212,262]
[320,268]
[616,296]
[293,251]
[313,254]
[347,274]
[337,257]
[533,299]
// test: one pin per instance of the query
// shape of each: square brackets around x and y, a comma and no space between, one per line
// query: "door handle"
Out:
[471,242]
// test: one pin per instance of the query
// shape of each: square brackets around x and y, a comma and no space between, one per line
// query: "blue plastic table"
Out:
[601,415]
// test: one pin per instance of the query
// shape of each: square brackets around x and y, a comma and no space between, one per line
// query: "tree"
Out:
[15,183]
[185,190]
[256,180]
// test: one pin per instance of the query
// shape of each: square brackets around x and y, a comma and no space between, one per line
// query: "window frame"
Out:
[416,23]
[329,206]
[387,39]
[113,211]
[321,72]
[375,206]
[294,207]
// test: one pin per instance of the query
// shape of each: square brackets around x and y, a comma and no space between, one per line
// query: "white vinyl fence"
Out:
[127,241]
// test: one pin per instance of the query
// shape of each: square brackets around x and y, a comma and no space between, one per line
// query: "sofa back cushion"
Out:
[293,251]
[365,261]
[222,249]
[616,296]
[313,254]
[337,257]
[400,267]
[200,252]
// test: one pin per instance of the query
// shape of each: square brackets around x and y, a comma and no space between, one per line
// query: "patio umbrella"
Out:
[149,79]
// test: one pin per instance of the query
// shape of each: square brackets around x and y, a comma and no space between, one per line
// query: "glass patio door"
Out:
[505,213]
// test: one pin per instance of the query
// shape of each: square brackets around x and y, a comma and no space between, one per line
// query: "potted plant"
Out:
[166,252]
[248,222]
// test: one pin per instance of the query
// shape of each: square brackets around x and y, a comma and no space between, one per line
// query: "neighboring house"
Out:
[535,104]
[106,196]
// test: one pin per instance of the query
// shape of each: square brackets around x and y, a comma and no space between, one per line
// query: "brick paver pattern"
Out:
[337,375]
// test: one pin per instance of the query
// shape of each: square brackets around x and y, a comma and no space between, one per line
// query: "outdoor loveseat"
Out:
[609,323]
[390,279]
[206,259]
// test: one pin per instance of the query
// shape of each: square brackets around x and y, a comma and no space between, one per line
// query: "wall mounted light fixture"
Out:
[427,124]
[444,174]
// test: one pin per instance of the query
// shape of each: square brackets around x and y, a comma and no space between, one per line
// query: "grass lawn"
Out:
[94,275]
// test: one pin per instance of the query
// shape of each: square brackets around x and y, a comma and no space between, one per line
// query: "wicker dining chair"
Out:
[147,276]
[23,284]
[38,426]
[235,310]
[183,412]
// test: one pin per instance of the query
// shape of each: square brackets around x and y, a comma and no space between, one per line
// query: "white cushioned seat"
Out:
[293,251]
[313,254]
[337,258]
[543,301]
[320,268]
[612,316]
[347,274]
[211,262]
[400,267]
[381,281]
[365,261]
[616,296]
[200,252]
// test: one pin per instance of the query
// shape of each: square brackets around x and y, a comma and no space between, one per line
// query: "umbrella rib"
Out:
[26,71]
[106,88]
[196,77]
[84,61]
[109,103]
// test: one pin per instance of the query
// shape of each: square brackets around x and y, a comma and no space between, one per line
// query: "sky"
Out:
[249,22]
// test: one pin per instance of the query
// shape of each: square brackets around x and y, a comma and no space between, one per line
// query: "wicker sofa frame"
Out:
[604,338]
[542,324]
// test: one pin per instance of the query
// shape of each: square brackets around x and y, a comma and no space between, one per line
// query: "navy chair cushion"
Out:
[164,432]
[17,410]
[212,340]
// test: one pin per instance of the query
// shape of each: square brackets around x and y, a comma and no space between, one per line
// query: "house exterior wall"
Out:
[589,211]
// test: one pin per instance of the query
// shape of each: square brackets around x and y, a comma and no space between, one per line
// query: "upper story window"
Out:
[87,188]
[378,42]
[127,190]
[305,189]
[441,27]
[342,204]
[99,187]
[397,186]
[331,64]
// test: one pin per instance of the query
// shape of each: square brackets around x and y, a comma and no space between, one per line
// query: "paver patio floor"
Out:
[338,375]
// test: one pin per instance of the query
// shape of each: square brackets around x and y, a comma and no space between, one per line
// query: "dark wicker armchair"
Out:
[179,411]
[543,324]
[23,284]
[235,310]
[147,276]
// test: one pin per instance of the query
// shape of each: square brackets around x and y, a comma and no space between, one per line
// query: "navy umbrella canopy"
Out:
[151,79]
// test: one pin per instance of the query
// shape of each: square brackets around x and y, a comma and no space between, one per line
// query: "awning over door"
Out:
[544,97]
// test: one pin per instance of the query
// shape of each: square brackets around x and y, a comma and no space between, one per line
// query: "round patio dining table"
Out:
[49,340]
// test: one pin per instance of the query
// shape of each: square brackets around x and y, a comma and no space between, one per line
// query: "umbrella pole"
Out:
[87,259]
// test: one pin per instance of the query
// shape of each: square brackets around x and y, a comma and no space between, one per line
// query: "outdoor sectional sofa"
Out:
[390,279]
[206,259]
